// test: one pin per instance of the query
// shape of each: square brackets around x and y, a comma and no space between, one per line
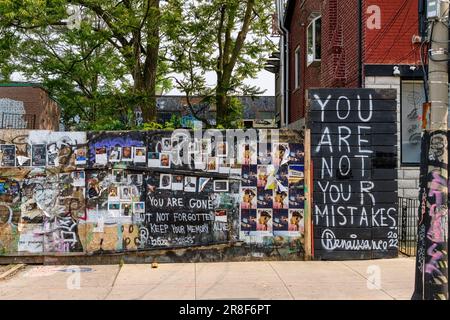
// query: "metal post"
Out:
[432,253]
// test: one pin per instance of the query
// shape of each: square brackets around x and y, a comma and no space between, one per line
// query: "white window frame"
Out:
[313,25]
[297,67]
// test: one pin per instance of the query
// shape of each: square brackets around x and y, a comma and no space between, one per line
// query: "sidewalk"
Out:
[241,280]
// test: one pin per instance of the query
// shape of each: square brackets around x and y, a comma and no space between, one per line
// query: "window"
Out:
[297,68]
[314,40]
[413,97]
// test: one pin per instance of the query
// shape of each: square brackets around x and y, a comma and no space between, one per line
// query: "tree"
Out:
[107,66]
[227,37]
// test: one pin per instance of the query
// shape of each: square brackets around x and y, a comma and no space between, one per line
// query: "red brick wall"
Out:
[392,44]
[340,43]
[36,102]
[310,75]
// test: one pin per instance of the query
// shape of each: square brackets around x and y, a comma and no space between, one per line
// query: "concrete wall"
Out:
[109,192]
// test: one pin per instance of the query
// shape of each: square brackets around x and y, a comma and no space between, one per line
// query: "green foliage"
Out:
[227,37]
[121,54]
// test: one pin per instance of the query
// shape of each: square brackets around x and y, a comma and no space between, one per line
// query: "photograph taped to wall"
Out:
[200,161]
[52,155]
[165,160]
[126,193]
[247,154]
[264,220]
[125,209]
[248,220]
[115,154]
[281,153]
[81,156]
[265,158]
[166,144]
[204,184]
[249,200]
[249,175]
[101,156]
[222,149]
[296,153]
[265,198]
[282,175]
[281,200]
[153,160]
[139,154]
[118,176]
[127,154]
[224,166]
[280,222]
[296,221]
[114,208]
[113,193]
[139,207]
[38,155]
[213,164]
[78,178]
[135,179]
[221,215]
[7,155]
[296,199]
[221,186]
[177,182]
[152,182]
[165,181]
[263,175]
[190,184]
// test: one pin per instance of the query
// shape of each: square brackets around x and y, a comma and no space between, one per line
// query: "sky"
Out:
[265,81]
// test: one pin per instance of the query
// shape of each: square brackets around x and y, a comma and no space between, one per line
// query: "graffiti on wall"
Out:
[432,247]
[354,153]
[100,192]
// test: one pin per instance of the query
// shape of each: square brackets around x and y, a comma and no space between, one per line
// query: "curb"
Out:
[12,270]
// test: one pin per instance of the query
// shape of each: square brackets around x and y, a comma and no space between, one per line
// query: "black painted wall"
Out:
[354,156]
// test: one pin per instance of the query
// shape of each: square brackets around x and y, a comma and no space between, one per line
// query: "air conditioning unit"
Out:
[264,123]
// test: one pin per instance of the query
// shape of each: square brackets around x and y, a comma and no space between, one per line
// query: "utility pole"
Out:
[432,249]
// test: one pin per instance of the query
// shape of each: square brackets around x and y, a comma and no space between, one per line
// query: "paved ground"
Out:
[351,280]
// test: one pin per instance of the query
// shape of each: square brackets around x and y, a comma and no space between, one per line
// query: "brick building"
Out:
[27,106]
[355,44]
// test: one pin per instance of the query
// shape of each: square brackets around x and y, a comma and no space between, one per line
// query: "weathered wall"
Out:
[107,192]
[354,154]
[431,281]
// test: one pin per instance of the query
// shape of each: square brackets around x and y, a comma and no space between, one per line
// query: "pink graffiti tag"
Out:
[436,256]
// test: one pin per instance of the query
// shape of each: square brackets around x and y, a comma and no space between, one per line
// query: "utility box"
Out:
[433,9]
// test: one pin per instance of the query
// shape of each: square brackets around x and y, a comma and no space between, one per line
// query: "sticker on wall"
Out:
[281,200]
[139,154]
[264,221]
[221,215]
[190,184]
[127,154]
[177,182]
[221,186]
[265,198]
[101,156]
[39,155]
[153,160]
[125,209]
[165,181]
[80,156]
[7,155]
[115,154]
[165,159]
[248,220]
[139,207]
[78,178]
[249,200]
